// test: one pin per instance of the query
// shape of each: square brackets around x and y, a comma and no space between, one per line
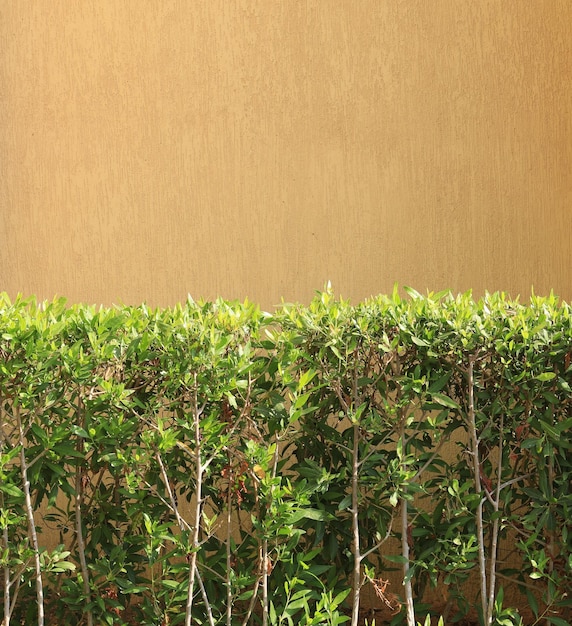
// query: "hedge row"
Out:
[213,464]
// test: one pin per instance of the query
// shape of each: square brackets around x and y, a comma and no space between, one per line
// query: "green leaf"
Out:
[62,566]
[533,603]
[127,588]
[341,597]
[557,621]
[345,503]
[79,431]
[550,397]
[300,401]
[272,613]
[545,376]
[317,515]
[245,595]
[395,558]
[335,350]
[11,490]
[444,400]
[305,378]
[40,433]
[437,385]
[355,417]
[170,584]
[412,293]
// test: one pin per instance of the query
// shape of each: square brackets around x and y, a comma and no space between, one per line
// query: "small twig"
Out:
[37,458]
[337,444]
[180,521]
[252,600]
[504,485]
[429,461]
[205,597]
[152,488]
[518,583]
[380,587]
[379,543]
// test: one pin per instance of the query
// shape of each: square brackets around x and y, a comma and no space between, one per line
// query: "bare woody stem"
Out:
[172,501]
[229,551]
[495,529]
[7,582]
[199,469]
[6,544]
[80,542]
[404,533]
[182,525]
[265,558]
[264,564]
[78,502]
[30,516]
[356,548]
[478,487]
[355,528]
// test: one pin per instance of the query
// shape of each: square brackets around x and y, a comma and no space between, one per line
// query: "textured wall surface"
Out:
[255,148]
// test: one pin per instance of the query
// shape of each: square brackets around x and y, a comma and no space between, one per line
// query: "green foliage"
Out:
[215,462]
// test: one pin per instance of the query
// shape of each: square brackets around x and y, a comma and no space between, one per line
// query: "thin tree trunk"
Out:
[79,526]
[552,545]
[265,565]
[81,543]
[404,534]
[6,545]
[229,548]
[198,507]
[477,475]
[355,528]
[7,583]
[405,554]
[254,593]
[205,598]
[495,530]
[30,516]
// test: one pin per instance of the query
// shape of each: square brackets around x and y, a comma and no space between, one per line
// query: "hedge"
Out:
[213,464]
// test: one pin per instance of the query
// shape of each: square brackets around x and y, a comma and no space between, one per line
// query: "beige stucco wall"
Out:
[259,148]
